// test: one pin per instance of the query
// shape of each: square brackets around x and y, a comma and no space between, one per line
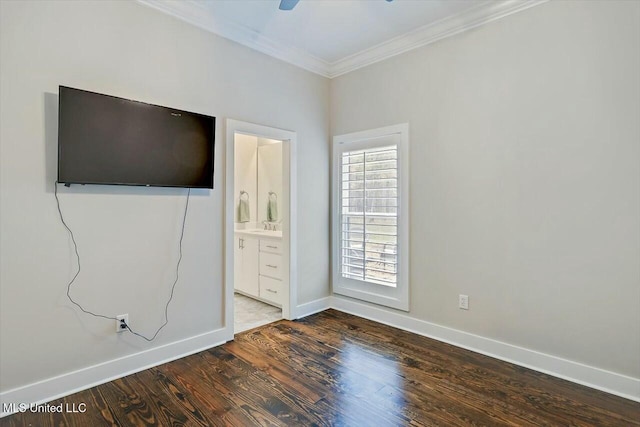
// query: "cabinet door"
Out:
[245,265]
[250,266]
[238,275]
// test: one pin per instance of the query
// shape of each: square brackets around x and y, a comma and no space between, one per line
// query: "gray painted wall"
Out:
[128,236]
[525,176]
[524,173]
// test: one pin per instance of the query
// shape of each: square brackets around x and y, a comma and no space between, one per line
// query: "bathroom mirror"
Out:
[258,181]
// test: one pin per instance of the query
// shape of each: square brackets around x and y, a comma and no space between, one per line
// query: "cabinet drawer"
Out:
[273,246]
[271,289]
[271,265]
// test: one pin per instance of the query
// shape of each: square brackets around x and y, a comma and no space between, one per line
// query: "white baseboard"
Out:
[313,307]
[82,379]
[610,382]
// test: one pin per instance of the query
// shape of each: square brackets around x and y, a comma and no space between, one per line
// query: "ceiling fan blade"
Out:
[288,4]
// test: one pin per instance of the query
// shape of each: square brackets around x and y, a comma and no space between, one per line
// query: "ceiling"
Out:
[333,37]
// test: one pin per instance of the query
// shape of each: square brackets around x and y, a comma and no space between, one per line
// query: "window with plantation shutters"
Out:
[370,216]
[369,238]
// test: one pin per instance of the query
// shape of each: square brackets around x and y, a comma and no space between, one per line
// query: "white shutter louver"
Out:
[369,215]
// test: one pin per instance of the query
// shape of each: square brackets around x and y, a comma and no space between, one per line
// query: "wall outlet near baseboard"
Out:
[463,302]
[122,320]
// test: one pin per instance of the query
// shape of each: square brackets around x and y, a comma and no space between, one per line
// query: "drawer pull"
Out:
[272,266]
[272,247]
[272,291]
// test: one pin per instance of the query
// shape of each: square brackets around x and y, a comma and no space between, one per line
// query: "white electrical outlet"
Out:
[463,302]
[121,321]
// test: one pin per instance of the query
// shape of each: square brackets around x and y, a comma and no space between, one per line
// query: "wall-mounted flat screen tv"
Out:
[103,139]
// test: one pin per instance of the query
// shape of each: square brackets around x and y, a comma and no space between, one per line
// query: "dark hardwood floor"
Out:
[336,369]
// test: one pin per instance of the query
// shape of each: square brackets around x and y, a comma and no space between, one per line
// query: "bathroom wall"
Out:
[269,176]
[246,176]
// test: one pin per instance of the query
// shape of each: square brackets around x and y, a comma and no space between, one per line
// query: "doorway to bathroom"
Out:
[260,284]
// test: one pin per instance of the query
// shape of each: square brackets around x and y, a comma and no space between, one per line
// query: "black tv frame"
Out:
[208,185]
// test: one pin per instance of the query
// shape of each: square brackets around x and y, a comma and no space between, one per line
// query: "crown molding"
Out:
[431,33]
[195,13]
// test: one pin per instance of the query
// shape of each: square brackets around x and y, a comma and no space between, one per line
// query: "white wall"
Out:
[525,176]
[269,176]
[128,236]
[246,176]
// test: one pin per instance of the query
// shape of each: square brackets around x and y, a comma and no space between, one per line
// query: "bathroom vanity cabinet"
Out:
[258,267]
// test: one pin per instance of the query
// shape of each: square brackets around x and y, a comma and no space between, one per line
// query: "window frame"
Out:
[394,297]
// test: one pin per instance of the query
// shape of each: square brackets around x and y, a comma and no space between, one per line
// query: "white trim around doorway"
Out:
[289,234]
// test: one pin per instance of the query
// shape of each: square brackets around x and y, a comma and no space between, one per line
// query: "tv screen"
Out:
[103,139]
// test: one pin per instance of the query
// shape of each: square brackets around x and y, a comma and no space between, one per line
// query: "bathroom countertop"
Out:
[260,234]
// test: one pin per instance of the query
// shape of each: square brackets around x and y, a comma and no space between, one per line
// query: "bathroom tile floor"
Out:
[251,313]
